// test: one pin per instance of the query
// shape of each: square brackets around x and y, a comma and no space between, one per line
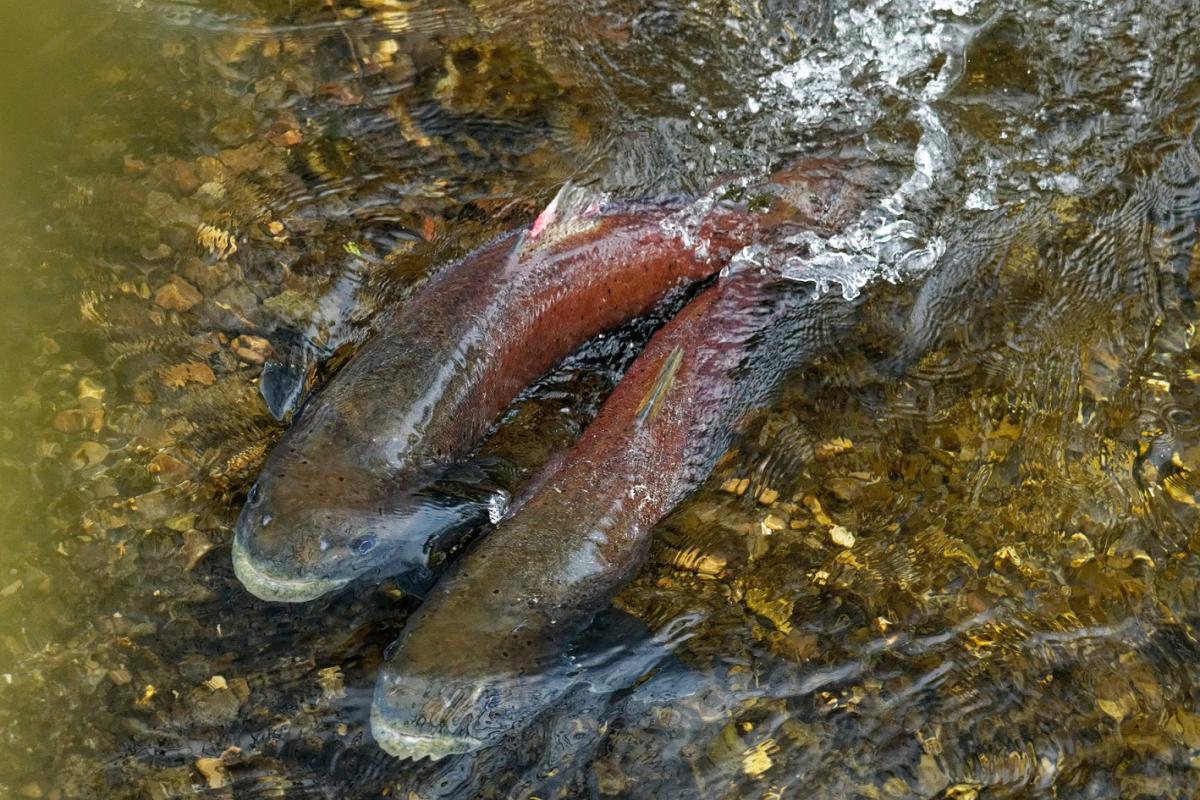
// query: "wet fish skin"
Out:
[343,494]
[491,647]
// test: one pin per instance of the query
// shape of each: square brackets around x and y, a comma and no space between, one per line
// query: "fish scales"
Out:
[497,629]
[339,496]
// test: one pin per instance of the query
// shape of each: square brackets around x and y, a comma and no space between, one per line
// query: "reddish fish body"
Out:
[487,650]
[338,496]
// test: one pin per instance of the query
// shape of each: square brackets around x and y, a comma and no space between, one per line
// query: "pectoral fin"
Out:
[284,374]
[617,650]
[652,403]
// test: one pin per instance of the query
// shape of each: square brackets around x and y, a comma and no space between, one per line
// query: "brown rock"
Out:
[88,454]
[185,177]
[242,159]
[168,469]
[241,690]
[196,545]
[287,138]
[153,506]
[213,706]
[177,295]
[251,349]
[213,770]
[69,421]
[234,48]
[209,169]
[89,389]
[179,375]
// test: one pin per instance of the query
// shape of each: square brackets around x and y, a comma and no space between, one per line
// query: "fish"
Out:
[373,477]
[494,643]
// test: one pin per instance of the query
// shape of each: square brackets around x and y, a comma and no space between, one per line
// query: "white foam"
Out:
[879,52]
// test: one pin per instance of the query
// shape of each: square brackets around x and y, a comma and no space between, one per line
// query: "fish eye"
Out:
[362,545]
[255,496]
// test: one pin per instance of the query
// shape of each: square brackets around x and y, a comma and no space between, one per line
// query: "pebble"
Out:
[214,772]
[736,486]
[88,454]
[288,138]
[213,707]
[158,253]
[212,191]
[240,688]
[695,560]
[196,545]
[181,522]
[185,177]
[179,375]
[167,469]
[814,505]
[251,349]
[69,421]
[841,536]
[88,388]
[177,295]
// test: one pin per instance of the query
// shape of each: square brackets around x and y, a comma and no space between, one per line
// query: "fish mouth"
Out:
[401,742]
[276,589]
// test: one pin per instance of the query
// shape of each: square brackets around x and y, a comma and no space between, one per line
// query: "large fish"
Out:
[493,644]
[362,483]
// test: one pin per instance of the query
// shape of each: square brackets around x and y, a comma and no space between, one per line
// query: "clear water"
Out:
[983,584]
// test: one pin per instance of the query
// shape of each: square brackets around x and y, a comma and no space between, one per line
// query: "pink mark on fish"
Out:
[566,205]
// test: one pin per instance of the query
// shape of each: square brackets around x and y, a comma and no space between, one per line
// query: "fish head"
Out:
[309,530]
[435,713]
[299,537]
[468,674]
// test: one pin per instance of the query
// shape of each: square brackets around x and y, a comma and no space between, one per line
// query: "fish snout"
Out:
[414,716]
[417,718]
[270,555]
[266,581]
[409,743]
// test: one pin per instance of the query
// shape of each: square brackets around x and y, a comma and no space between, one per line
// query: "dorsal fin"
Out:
[572,209]
[652,403]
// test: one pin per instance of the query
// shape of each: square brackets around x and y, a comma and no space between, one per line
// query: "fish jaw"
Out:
[404,743]
[276,589]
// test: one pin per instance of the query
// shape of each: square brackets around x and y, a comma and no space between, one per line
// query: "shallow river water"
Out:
[958,557]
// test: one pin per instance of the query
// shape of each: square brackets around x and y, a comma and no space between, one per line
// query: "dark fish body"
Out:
[347,490]
[490,648]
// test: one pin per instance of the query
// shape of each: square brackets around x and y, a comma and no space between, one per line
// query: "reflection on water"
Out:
[955,559]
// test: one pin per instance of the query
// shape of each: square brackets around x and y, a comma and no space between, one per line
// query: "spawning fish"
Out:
[363,483]
[492,646]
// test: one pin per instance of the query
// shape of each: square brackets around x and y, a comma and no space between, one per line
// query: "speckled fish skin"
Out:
[340,495]
[490,648]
